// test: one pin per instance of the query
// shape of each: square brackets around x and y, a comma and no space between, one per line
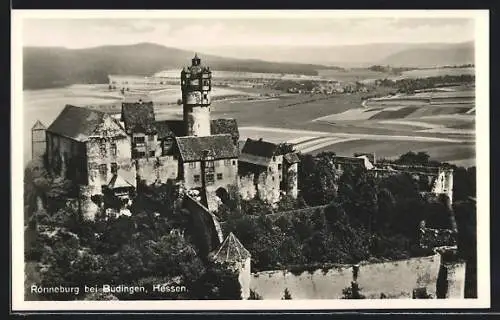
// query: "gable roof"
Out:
[76,123]
[225,126]
[218,146]
[169,128]
[118,181]
[258,152]
[138,116]
[38,126]
[231,250]
[259,148]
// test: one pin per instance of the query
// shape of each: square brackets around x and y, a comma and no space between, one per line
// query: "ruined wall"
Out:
[247,187]
[291,176]
[444,183]
[395,279]
[88,209]
[157,169]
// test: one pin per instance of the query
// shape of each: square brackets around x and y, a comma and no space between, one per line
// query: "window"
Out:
[113,149]
[151,137]
[152,153]
[270,169]
[102,147]
[210,164]
[103,170]
[219,176]
[139,140]
[114,168]
[280,177]
[227,162]
[279,166]
[234,162]
[274,158]
[205,96]
[141,154]
[210,178]
[273,178]
[192,165]
[196,178]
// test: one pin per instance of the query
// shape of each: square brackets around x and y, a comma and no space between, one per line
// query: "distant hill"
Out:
[454,54]
[46,67]
[360,55]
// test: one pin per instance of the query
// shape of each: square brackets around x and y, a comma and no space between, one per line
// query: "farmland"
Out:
[439,121]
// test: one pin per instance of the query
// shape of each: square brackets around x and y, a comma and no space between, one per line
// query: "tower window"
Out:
[279,166]
[219,176]
[102,147]
[113,149]
[210,178]
[114,168]
[205,96]
[103,170]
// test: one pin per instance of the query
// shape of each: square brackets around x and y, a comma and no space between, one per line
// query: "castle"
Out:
[110,155]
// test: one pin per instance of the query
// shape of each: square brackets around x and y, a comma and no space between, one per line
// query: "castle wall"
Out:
[395,279]
[244,278]
[247,187]
[455,280]
[291,178]
[88,208]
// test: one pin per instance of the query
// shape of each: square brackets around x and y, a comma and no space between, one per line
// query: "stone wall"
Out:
[205,229]
[395,279]
[455,280]
[157,169]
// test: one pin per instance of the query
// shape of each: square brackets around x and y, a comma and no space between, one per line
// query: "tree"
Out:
[254,295]
[286,295]
[352,292]
[220,282]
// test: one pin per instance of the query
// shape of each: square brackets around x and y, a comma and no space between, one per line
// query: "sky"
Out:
[269,30]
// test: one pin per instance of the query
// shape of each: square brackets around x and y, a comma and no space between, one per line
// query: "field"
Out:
[435,72]
[342,123]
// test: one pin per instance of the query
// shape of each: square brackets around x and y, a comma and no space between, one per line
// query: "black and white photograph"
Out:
[169,160]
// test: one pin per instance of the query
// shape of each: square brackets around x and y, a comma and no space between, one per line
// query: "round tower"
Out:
[196,85]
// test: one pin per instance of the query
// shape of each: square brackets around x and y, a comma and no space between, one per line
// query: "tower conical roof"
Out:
[232,250]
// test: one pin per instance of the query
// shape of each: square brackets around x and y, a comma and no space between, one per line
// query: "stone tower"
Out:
[196,86]
[38,140]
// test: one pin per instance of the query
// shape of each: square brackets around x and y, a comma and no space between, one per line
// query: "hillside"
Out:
[456,54]
[46,67]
